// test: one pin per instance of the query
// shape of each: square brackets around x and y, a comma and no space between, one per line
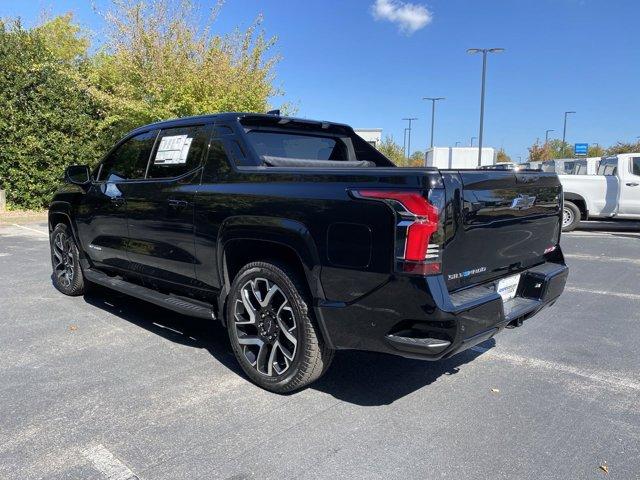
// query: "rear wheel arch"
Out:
[247,239]
[241,251]
[579,202]
[570,216]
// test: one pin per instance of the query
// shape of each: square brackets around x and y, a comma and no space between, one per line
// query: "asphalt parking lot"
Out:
[106,387]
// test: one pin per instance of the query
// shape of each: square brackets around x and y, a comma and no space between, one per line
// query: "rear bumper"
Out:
[417,317]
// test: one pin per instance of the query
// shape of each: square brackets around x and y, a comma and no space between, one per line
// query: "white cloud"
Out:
[410,17]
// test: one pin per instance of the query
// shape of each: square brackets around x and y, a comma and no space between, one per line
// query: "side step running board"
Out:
[183,305]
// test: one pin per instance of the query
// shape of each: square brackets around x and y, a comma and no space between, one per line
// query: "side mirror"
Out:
[78,175]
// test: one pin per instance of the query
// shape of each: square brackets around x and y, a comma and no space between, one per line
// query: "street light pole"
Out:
[472,139]
[564,130]
[433,113]
[546,136]
[457,143]
[484,52]
[404,143]
[409,135]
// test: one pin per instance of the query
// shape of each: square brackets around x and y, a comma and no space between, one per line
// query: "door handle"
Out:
[632,184]
[118,201]
[177,204]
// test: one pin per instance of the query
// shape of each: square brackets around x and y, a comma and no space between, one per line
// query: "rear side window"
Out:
[635,166]
[568,167]
[129,160]
[178,151]
[608,167]
[298,146]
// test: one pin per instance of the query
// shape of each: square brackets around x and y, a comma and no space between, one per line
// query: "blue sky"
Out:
[341,63]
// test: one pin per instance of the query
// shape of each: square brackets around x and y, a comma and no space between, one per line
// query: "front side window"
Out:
[178,151]
[129,160]
[297,146]
[635,166]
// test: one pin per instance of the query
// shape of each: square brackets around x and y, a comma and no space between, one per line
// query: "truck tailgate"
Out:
[498,222]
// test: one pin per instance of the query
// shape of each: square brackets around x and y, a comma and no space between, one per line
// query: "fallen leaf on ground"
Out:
[495,390]
[604,467]
[73,328]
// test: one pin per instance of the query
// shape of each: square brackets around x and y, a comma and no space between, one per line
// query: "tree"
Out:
[595,151]
[539,152]
[161,60]
[549,150]
[48,118]
[416,159]
[64,39]
[623,147]
[390,149]
[502,157]
[62,102]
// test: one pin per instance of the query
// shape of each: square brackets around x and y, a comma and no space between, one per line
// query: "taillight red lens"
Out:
[420,221]
[412,201]
[418,236]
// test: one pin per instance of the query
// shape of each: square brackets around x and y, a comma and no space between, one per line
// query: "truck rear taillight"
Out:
[417,249]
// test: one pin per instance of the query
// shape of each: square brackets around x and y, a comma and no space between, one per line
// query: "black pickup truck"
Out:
[302,239]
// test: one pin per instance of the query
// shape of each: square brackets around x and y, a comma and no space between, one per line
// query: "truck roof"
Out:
[234,117]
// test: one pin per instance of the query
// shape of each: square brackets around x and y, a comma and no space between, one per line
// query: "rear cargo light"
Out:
[417,250]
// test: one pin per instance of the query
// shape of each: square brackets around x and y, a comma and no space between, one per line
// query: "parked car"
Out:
[586,166]
[505,166]
[301,238]
[562,166]
[614,193]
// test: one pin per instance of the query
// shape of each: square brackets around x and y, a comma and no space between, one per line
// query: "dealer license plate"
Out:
[507,287]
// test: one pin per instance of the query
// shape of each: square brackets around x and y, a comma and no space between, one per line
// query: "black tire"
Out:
[570,216]
[65,259]
[308,358]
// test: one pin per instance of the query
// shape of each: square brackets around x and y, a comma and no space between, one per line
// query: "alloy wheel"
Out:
[63,262]
[265,327]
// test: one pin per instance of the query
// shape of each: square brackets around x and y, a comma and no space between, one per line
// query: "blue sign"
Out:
[581,149]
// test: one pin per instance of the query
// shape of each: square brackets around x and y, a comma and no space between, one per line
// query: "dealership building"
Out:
[371,135]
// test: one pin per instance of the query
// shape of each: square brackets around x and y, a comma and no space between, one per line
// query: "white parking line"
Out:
[106,463]
[603,258]
[629,296]
[611,379]
[31,229]
[613,235]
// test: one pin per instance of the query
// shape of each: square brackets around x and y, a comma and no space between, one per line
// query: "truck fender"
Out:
[63,209]
[276,230]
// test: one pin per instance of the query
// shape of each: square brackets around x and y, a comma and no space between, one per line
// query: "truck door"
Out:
[160,209]
[102,212]
[629,172]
